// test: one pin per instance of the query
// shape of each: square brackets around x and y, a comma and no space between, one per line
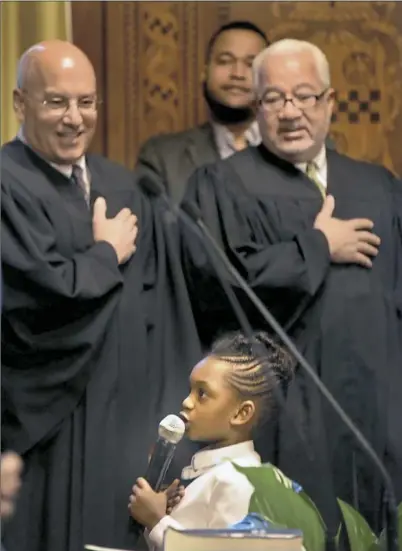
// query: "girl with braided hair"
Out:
[232,391]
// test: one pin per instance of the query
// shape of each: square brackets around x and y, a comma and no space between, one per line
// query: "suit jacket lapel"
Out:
[202,148]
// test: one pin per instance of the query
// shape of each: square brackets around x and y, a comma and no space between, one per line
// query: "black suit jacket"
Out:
[175,156]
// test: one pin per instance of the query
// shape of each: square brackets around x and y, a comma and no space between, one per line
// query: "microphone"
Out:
[170,431]
[192,216]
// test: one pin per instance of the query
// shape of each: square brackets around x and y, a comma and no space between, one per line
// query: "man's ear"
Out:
[19,105]
[244,414]
[331,98]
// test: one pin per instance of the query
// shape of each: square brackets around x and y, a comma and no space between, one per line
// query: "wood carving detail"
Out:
[189,81]
[165,46]
[159,63]
[133,87]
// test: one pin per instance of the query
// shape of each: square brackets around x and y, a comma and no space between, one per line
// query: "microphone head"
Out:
[172,429]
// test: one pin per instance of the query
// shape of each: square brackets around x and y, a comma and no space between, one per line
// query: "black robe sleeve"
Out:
[394,451]
[286,274]
[397,226]
[56,298]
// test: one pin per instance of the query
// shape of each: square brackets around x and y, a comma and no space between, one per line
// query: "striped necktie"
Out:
[77,178]
[312,173]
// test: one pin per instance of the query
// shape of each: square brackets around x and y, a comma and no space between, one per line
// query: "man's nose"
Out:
[289,111]
[238,71]
[73,114]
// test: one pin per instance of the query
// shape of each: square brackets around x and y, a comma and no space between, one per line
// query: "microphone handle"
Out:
[192,211]
[159,464]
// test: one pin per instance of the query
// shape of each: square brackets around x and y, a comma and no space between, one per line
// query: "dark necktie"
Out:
[77,178]
[312,173]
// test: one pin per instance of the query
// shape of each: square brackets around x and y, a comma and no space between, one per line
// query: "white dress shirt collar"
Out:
[225,141]
[206,459]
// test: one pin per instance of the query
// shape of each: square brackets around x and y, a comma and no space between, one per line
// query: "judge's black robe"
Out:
[93,354]
[346,319]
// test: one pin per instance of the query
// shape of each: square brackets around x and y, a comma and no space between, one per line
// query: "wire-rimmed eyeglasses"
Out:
[273,101]
[61,104]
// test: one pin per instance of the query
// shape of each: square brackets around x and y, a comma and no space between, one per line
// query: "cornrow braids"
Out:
[260,366]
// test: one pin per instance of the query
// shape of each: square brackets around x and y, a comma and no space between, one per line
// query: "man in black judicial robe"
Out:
[97,337]
[324,253]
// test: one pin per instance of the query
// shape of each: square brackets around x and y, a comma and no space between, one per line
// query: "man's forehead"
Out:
[238,40]
[295,69]
[42,65]
[65,79]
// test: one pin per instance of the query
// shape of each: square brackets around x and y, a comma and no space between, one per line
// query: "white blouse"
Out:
[218,495]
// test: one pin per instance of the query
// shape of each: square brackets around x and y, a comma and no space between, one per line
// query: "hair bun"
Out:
[284,364]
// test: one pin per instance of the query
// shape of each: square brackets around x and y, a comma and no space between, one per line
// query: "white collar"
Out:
[225,139]
[208,458]
[65,170]
[252,133]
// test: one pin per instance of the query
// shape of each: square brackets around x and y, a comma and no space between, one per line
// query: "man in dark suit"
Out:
[228,91]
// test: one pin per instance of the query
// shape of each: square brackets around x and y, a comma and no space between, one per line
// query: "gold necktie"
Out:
[312,173]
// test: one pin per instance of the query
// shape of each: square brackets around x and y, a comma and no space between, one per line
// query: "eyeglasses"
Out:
[61,104]
[273,102]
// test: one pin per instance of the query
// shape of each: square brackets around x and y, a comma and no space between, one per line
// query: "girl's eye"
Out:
[201,393]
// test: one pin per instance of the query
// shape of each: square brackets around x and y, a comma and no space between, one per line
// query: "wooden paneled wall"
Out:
[149,57]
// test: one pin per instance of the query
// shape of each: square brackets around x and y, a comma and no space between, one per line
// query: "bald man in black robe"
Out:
[97,333]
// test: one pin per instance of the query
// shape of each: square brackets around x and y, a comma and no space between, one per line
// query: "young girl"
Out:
[232,390]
